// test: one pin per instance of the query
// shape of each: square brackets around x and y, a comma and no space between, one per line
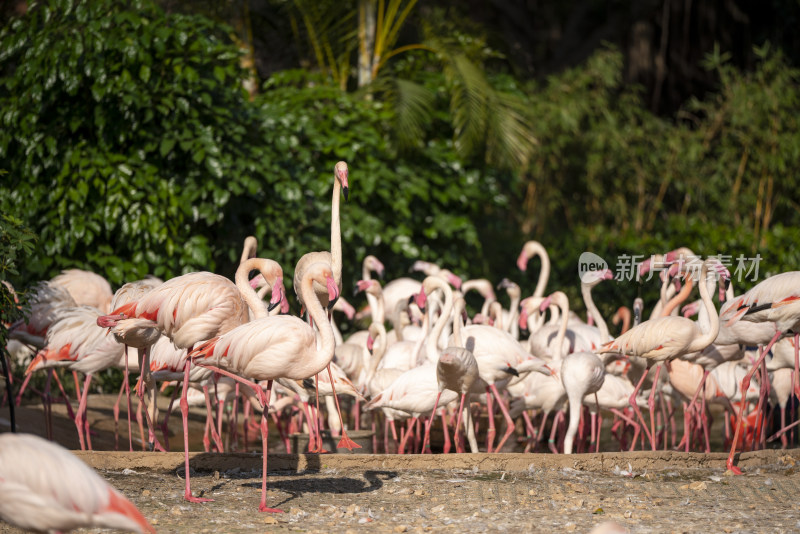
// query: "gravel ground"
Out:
[643,492]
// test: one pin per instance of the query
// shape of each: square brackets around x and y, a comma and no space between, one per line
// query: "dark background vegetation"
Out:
[151,137]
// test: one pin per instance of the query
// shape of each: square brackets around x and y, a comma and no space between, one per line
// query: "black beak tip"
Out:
[271,306]
[355,290]
[332,303]
[346,192]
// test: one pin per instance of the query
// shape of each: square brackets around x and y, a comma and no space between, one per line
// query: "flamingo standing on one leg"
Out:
[44,487]
[276,347]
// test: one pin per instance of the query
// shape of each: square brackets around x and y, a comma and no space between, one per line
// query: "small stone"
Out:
[698,486]
[176,510]
[569,527]
[349,531]
[364,520]
[216,475]
[685,487]
[728,473]
[146,493]
[531,492]
[297,511]
[420,493]
[154,521]
[437,509]
[401,528]
[628,514]
[269,520]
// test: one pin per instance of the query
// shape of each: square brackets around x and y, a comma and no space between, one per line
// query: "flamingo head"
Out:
[374,264]
[341,171]
[522,261]
[346,308]
[333,291]
[109,321]
[645,266]
[362,285]
[278,297]
[691,309]
[450,278]
[420,299]
[523,318]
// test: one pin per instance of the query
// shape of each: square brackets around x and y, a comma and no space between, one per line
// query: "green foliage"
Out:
[612,178]
[125,132]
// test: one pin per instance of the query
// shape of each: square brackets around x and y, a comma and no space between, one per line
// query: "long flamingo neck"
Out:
[513,325]
[447,309]
[678,299]
[586,293]
[420,341]
[256,305]
[458,324]
[336,234]
[563,305]
[397,320]
[544,273]
[708,338]
[318,315]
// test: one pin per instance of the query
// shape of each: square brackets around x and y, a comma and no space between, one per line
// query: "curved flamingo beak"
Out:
[347,309]
[278,295]
[421,299]
[545,304]
[109,321]
[522,261]
[333,292]
[645,267]
[454,280]
[257,281]
[523,318]
[370,343]
[362,285]
[379,269]
[606,274]
[345,186]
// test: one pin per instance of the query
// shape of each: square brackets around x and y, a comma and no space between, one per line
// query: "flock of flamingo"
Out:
[222,342]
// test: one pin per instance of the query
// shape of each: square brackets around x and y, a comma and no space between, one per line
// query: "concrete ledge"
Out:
[639,460]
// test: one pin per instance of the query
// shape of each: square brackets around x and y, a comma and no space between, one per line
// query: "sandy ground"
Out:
[642,491]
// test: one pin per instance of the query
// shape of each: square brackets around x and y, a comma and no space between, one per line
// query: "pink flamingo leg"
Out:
[745,385]
[634,424]
[185,414]
[234,425]
[81,415]
[797,365]
[165,424]
[425,442]
[115,411]
[210,418]
[126,383]
[651,403]
[404,438]
[490,433]
[551,442]
[509,420]
[262,507]
[22,388]
[447,443]
[635,406]
[457,436]
[317,425]
[345,442]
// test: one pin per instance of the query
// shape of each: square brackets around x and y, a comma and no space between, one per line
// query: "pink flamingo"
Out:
[665,338]
[334,259]
[529,250]
[75,342]
[195,307]
[44,487]
[775,300]
[86,288]
[276,347]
